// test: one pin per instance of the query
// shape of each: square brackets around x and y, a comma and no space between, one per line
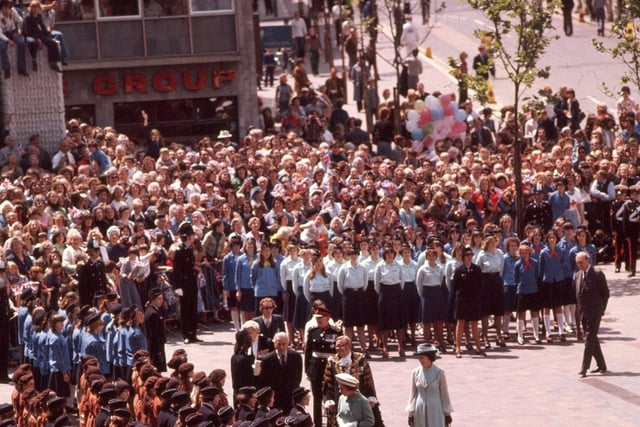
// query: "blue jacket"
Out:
[41,351]
[526,278]
[229,271]
[552,268]
[265,280]
[59,358]
[136,341]
[559,204]
[243,272]
[509,270]
[95,346]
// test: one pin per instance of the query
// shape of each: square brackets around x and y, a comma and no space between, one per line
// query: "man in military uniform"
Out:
[631,227]
[154,325]
[321,345]
[347,361]
[207,404]
[617,226]
[539,211]
[92,277]
[184,281]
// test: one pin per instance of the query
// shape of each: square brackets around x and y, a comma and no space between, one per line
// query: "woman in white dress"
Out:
[429,404]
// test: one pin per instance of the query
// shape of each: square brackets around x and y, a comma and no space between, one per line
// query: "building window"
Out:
[84,113]
[179,118]
[118,8]
[208,6]
[161,8]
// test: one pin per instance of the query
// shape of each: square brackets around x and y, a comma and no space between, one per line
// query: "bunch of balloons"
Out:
[434,119]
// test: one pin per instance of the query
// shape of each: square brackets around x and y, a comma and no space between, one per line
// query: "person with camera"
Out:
[429,404]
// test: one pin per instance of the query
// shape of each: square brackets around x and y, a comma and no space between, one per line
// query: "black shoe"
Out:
[64,62]
[7,74]
[34,65]
[196,339]
[56,68]
[599,370]
[632,274]
[582,374]
[23,72]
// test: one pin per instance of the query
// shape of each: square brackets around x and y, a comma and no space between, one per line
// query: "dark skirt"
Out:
[467,308]
[567,291]
[335,303]
[529,302]
[58,385]
[372,304]
[510,299]
[288,302]
[301,310]
[545,294]
[390,312]
[248,300]
[354,307]
[232,301]
[411,302]
[493,294]
[434,307]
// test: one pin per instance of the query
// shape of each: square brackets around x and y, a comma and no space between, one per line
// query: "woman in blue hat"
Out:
[429,404]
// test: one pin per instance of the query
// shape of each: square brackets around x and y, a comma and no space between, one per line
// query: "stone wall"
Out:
[35,103]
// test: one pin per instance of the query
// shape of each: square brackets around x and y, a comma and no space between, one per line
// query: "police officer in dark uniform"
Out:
[156,334]
[539,211]
[617,226]
[321,345]
[5,316]
[92,276]
[246,412]
[184,281]
[166,415]
[631,227]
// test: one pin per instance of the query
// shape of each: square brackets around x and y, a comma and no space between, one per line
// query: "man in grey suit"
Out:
[592,294]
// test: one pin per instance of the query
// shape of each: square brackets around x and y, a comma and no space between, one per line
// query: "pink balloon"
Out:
[445,100]
[459,127]
[425,117]
[449,111]
[427,141]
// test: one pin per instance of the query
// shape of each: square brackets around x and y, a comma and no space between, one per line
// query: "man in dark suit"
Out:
[185,283]
[270,325]
[154,325]
[592,294]
[282,371]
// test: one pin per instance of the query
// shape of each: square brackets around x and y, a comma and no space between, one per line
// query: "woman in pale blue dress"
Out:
[429,404]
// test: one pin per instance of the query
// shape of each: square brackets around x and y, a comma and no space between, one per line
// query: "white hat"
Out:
[224,134]
[347,380]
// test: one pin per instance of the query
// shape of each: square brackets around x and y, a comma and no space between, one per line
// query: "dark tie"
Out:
[283,362]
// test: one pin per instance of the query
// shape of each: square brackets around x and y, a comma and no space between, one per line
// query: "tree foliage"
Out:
[626,31]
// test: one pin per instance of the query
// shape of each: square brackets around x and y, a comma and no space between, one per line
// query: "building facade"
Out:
[190,64]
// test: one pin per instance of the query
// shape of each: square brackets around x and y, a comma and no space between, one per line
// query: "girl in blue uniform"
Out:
[136,339]
[509,282]
[526,278]
[59,359]
[265,276]
[244,293]
[553,260]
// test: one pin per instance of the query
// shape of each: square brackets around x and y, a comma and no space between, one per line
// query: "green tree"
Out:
[626,31]
[528,24]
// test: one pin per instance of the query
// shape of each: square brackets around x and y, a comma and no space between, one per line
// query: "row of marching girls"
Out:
[54,342]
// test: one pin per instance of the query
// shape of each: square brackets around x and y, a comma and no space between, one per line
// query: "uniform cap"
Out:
[263,391]
[425,349]
[209,392]
[322,312]
[247,390]
[93,245]
[299,392]
[225,411]
[56,402]
[185,229]
[154,293]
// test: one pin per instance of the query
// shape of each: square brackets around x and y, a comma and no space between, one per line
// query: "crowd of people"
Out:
[305,234]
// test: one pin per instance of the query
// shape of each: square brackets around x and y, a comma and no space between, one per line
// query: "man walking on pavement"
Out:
[592,294]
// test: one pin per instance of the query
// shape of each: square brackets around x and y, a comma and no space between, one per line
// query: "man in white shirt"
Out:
[63,157]
[298,33]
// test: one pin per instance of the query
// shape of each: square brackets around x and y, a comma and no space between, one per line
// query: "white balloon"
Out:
[412,125]
[432,102]
[417,145]
[413,115]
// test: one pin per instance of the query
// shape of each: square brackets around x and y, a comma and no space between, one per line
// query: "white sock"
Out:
[547,323]
[520,324]
[235,317]
[567,314]
[535,325]
[572,314]
[560,318]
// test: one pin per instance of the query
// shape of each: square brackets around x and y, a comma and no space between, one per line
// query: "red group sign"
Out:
[162,81]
